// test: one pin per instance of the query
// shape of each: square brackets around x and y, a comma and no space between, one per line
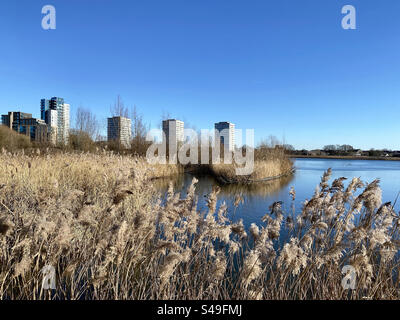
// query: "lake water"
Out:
[258,197]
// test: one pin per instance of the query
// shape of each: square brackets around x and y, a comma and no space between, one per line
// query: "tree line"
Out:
[86,134]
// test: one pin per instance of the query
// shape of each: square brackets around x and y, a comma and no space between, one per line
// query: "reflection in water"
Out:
[257,197]
[204,184]
[163,183]
[258,189]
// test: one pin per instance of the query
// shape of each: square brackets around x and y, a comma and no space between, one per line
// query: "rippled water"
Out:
[258,197]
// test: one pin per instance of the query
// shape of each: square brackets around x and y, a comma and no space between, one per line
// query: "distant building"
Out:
[23,123]
[56,114]
[51,119]
[44,106]
[357,153]
[63,124]
[9,119]
[34,128]
[225,135]
[173,136]
[173,131]
[318,152]
[119,129]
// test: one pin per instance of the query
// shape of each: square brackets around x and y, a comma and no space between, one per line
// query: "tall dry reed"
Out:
[98,220]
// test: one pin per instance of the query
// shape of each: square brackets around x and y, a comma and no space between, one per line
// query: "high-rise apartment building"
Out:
[51,119]
[44,106]
[63,123]
[119,129]
[225,135]
[173,131]
[55,112]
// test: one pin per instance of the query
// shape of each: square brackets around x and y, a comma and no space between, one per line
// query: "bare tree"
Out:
[330,147]
[119,109]
[85,121]
[139,131]
[85,131]
[164,116]
[346,148]
[288,147]
[270,142]
[138,127]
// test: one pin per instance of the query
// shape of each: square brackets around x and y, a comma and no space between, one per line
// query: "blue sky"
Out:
[285,68]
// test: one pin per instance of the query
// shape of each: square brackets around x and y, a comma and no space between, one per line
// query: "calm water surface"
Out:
[258,197]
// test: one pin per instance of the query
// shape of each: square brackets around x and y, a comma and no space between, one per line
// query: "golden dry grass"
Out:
[99,221]
[11,140]
[165,170]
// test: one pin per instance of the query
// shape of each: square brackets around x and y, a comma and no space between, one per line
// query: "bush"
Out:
[79,140]
[11,140]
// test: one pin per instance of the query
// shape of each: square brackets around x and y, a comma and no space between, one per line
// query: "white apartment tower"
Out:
[225,135]
[173,130]
[63,124]
[52,125]
[120,129]
[173,133]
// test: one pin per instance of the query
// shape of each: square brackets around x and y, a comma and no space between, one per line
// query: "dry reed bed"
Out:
[99,221]
[269,163]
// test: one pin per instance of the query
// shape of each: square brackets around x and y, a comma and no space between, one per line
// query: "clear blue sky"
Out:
[285,68]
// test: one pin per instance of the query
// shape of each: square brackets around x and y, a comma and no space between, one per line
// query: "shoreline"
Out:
[344,157]
[234,180]
[224,180]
